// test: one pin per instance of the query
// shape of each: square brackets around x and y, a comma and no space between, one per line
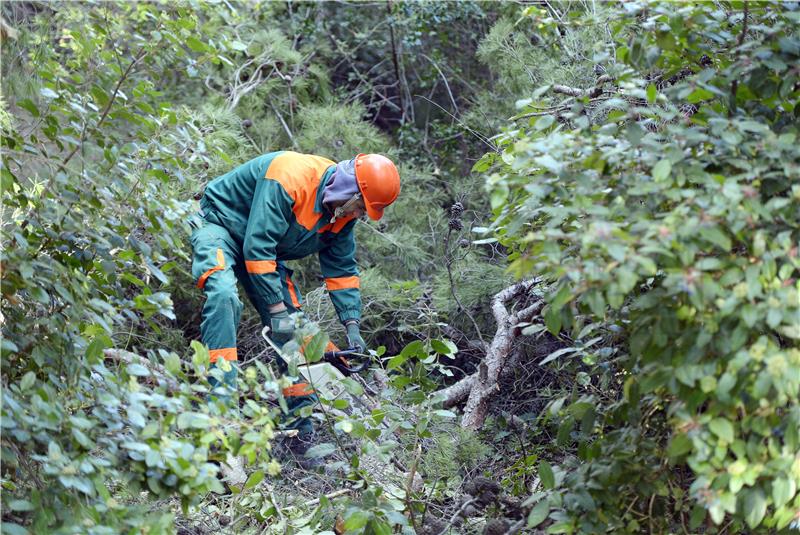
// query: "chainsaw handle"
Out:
[338,359]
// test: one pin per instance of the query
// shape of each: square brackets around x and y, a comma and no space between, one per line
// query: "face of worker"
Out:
[358,209]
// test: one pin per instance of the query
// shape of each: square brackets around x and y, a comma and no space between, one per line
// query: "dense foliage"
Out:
[649,175]
[664,208]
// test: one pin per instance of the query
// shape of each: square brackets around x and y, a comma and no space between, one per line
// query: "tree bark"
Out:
[482,385]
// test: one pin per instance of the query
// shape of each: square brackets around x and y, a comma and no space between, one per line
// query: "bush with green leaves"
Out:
[663,209]
[93,156]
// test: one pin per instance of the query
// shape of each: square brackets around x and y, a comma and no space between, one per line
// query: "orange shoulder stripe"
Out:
[259,267]
[342,283]
[300,175]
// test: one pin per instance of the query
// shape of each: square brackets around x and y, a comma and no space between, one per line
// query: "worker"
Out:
[277,207]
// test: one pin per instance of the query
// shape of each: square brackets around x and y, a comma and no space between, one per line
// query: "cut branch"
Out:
[482,385]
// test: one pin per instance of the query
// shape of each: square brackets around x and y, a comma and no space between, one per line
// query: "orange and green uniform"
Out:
[262,213]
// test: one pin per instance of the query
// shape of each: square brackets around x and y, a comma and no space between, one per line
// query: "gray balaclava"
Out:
[342,185]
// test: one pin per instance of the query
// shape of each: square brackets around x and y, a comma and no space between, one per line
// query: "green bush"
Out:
[673,220]
[92,232]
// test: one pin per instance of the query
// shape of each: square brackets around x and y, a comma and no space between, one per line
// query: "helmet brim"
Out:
[373,213]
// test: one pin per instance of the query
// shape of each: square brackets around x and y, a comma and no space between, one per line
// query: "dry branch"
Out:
[479,387]
[593,92]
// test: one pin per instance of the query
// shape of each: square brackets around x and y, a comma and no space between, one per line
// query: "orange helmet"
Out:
[379,182]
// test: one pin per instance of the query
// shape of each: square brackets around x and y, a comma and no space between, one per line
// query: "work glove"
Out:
[354,339]
[281,326]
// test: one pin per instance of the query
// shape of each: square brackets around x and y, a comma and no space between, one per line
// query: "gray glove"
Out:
[281,326]
[354,339]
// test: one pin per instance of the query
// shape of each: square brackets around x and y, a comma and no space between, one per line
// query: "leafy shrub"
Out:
[673,219]
[91,234]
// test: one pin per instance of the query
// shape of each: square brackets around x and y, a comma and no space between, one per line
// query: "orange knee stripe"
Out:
[201,282]
[297,390]
[226,353]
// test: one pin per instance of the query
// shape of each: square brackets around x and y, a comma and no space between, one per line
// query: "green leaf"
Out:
[254,479]
[546,475]
[320,450]
[679,445]
[722,428]
[352,386]
[552,320]
[314,348]
[538,514]
[652,93]
[562,297]
[783,490]
[698,95]
[415,349]
[27,381]
[48,93]
[544,121]
[755,507]
[716,236]
[662,170]
[138,370]
[238,45]
[30,106]
[396,362]
[20,505]
[444,347]
[7,180]
[196,45]
[356,520]
[193,420]
[10,528]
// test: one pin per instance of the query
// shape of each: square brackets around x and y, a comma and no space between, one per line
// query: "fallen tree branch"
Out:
[479,387]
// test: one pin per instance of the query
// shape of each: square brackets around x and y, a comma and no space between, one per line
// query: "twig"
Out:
[335,494]
[410,484]
[285,126]
[448,263]
[446,85]
[739,41]
[139,56]
[457,514]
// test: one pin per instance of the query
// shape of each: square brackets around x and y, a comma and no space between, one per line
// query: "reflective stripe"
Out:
[259,267]
[342,283]
[297,390]
[292,292]
[201,282]
[227,353]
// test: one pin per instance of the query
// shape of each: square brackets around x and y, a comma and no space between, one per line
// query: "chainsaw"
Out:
[348,361]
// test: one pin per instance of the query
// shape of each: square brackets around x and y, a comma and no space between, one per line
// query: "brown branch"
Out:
[593,92]
[482,385]
[139,56]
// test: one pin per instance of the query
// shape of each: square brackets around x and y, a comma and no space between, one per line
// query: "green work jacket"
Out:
[272,206]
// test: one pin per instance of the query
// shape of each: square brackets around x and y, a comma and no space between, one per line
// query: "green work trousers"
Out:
[217,265]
